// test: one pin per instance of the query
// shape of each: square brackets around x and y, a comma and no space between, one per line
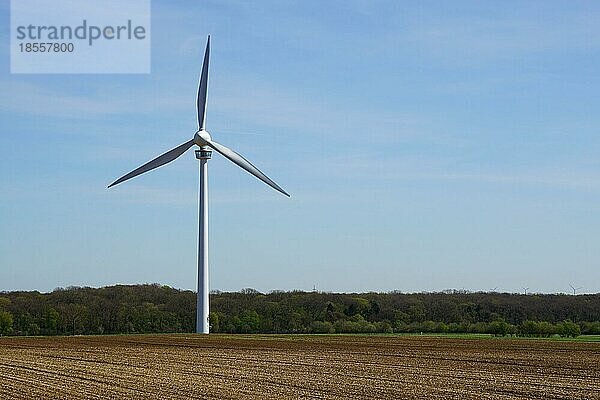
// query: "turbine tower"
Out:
[203,140]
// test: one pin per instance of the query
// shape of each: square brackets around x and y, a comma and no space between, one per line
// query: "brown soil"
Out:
[276,367]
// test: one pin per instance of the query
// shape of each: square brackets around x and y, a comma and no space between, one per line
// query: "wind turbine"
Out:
[575,289]
[203,140]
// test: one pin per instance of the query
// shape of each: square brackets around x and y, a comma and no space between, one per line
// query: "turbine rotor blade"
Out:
[202,88]
[157,162]
[240,161]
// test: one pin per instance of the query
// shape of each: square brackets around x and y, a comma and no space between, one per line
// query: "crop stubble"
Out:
[332,367]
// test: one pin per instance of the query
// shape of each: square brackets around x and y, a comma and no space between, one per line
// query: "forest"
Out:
[153,308]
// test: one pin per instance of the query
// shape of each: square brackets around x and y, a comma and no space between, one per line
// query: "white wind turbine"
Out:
[202,139]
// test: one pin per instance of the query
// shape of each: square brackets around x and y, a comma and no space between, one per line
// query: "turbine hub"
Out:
[202,137]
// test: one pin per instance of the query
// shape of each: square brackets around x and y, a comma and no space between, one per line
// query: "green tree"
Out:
[358,305]
[4,303]
[321,327]
[6,323]
[158,308]
[52,321]
[249,321]
[546,329]
[530,328]
[214,320]
[499,327]
[416,312]
[568,328]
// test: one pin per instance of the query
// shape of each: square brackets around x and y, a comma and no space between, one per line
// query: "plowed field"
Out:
[332,367]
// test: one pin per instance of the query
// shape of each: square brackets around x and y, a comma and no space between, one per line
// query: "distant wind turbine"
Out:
[203,140]
[575,289]
[525,290]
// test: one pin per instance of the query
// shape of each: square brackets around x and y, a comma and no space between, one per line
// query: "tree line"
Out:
[157,308]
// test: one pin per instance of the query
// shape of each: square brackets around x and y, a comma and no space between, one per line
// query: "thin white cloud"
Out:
[469,40]
[26,98]
[314,115]
[376,167]
[579,181]
[139,194]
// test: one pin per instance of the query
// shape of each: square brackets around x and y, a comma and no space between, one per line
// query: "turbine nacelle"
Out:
[202,138]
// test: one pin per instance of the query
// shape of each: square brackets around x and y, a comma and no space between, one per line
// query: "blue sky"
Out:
[426,145]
